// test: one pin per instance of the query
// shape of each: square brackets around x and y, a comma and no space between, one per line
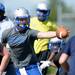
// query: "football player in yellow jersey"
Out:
[41,23]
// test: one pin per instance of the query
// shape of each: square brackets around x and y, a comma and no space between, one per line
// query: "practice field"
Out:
[51,71]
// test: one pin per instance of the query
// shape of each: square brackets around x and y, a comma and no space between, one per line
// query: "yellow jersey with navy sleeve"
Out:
[41,44]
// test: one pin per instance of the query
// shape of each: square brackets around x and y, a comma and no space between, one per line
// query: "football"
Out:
[62,32]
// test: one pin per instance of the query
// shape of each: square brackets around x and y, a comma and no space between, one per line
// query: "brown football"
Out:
[63,31]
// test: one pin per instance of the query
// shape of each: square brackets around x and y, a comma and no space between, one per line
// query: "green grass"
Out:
[51,70]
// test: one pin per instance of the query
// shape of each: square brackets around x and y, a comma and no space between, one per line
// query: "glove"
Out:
[45,64]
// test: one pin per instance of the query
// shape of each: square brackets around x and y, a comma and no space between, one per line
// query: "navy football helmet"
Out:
[55,44]
[43,11]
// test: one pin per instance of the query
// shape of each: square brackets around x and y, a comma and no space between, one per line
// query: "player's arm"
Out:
[5,59]
[61,32]
[63,61]
[50,34]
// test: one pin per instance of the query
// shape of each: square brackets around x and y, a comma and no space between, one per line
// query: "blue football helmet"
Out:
[43,11]
[22,18]
[2,7]
[2,12]
[55,44]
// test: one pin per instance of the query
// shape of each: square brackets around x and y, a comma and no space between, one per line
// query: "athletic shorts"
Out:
[33,69]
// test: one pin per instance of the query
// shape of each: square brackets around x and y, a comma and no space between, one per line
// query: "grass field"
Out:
[51,71]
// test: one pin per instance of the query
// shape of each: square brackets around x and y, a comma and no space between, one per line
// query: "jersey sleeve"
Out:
[33,33]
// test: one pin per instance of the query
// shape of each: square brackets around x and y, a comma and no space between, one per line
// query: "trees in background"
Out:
[54,4]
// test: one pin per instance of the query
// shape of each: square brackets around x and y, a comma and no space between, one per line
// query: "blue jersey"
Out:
[69,49]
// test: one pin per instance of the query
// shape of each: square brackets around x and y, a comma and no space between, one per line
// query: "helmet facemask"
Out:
[22,19]
[55,47]
[43,14]
[55,44]
[22,22]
